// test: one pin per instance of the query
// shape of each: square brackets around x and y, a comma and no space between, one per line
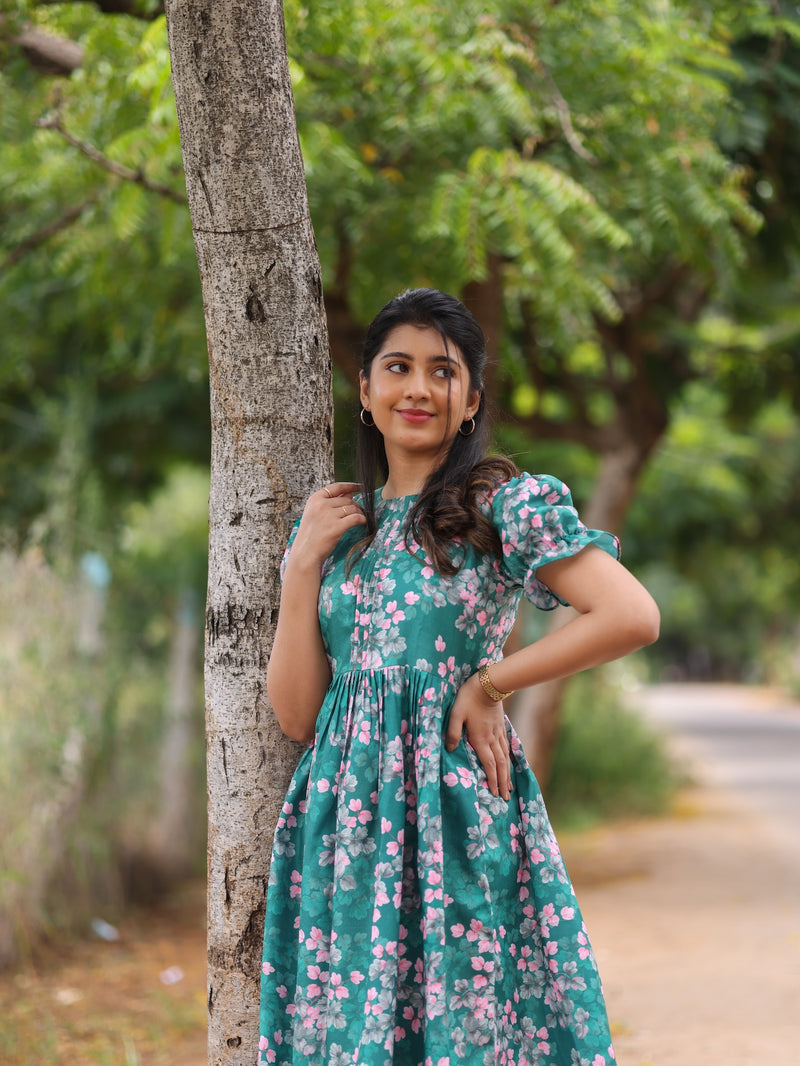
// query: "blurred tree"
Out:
[53,695]
[101,366]
[583,177]
[270,404]
[165,547]
[724,482]
[714,531]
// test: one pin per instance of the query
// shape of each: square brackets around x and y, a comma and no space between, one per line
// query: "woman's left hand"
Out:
[484,723]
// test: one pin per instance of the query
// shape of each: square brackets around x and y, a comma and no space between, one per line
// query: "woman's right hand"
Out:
[327,515]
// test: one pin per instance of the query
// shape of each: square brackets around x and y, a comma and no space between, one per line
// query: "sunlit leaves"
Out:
[576,146]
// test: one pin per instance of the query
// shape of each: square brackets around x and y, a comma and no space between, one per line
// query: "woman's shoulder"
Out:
[532,491]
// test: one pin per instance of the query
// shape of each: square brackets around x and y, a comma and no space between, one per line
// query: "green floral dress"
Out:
[412,917]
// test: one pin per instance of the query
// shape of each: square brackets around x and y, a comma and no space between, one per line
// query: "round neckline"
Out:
[396,503]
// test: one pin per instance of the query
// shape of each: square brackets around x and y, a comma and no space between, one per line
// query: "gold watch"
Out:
[487,686]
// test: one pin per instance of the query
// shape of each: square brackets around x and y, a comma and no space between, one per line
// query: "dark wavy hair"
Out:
[447,510]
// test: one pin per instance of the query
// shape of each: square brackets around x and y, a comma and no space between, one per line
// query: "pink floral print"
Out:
[413,919]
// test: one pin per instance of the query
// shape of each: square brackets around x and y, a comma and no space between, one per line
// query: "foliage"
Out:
[576,145]
[82,718]
[608,762]
[102,362]
[623,174]
[714,531]
[579,150]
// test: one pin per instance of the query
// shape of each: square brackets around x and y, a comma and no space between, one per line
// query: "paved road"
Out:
[744,740]
[695,917]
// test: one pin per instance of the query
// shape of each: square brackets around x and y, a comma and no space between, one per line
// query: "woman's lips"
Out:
[413,415]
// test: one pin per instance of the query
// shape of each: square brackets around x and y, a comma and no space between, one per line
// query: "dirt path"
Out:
[695,919]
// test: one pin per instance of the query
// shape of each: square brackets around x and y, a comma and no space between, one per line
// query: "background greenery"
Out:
[614,186]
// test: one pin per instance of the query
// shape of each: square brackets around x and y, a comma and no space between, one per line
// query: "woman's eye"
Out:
[396,368]
[444,372]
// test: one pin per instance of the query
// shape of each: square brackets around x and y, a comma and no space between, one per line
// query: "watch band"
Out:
[487,686]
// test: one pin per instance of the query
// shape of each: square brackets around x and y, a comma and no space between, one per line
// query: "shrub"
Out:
[609,763]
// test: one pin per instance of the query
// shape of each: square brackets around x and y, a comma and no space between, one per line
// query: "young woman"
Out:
[419,912]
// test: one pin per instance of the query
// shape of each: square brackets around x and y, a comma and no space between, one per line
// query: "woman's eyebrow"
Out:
[442,357]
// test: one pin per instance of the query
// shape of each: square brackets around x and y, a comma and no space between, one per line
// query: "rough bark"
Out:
[271,413]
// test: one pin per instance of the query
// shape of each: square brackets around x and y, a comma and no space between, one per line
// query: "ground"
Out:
[136,1001]
[695,919]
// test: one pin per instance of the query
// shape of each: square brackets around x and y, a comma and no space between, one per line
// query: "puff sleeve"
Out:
[538,524]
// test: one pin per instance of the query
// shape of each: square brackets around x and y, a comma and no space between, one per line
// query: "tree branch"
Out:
[596,438]
[564,116]
[48,53]
[71,215]
[53,122]
[51,54]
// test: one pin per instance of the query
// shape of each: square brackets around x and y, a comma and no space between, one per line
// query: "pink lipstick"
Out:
[411,414]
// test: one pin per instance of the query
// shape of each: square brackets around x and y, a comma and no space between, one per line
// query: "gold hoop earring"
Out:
[364,422]
[468,432]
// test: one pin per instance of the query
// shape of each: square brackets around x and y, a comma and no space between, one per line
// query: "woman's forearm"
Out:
[616,615]
[585,641]
[298,673]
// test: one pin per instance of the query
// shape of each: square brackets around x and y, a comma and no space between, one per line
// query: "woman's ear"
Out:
[363,389]
[473,403]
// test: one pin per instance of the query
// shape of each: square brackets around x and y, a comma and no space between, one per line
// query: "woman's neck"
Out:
[396,487]
[407,475]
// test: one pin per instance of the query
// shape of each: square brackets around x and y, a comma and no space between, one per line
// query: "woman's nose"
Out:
[417,384]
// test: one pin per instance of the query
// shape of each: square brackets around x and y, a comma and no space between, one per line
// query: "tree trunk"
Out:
[536,712]
[271,414]
[485,299]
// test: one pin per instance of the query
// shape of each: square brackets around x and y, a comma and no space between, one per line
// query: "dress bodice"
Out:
[393,608]
[389,606]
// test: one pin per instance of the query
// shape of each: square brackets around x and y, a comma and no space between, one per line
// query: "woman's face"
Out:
[418,392]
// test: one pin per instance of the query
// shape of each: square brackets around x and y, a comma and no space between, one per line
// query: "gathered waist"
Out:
[385,703]
[402,673]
